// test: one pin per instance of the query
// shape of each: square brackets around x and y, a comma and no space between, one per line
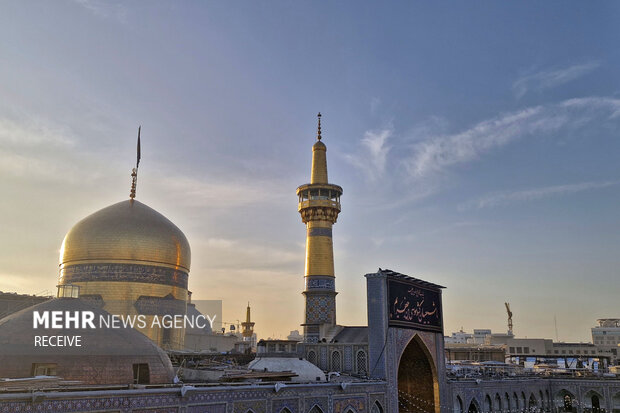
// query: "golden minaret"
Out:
[248,326]
[319,206]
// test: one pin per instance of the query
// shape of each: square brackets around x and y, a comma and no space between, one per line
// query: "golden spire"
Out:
[134,171]
[319,159]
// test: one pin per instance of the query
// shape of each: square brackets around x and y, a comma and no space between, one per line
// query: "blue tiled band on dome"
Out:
[123,272]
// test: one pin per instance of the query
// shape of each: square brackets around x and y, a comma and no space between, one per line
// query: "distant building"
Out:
[12,302]
[295,336]
[460,337]
[606,336]
[480,336]
[544,348]
[276,347]
[474,352]
[604,349]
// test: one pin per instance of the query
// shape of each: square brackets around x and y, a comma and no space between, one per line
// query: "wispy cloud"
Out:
[375,104]
[436,153]
[372,154]
[249,254]
[216,193]
[105,9]
[33,132]
[509,197]
[37,148]
[551,78]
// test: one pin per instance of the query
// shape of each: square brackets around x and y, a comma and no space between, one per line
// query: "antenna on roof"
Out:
[134,171]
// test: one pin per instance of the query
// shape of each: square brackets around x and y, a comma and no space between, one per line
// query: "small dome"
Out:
[106,355]
[306,371]
[128,231]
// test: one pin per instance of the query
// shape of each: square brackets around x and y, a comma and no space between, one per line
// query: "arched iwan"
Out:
[418,386]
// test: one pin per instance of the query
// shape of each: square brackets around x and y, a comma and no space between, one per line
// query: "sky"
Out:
[476,142]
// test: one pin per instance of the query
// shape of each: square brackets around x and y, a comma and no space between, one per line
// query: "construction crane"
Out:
[509,318]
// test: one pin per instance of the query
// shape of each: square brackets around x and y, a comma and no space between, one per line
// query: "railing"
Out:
[320,203]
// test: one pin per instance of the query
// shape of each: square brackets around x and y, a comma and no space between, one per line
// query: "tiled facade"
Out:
[531,394]
[296,398]
[508,395]
[353,357]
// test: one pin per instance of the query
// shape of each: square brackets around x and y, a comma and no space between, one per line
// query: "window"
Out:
[376,408]
[281,347]
[70,291]
[556,352]
[336,365]
[488,407]
[361,363]
[141,373]
[596,404]
[312,357]
[526,350]
[166,337]
[519,350]
[512,349]
[316,409]
[43,369]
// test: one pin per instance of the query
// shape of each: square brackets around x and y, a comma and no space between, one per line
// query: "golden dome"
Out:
[126,232]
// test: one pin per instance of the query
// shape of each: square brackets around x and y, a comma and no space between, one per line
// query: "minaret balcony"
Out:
[319,203]
[319,195]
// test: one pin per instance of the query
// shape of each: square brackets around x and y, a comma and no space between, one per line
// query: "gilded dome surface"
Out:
[128,231]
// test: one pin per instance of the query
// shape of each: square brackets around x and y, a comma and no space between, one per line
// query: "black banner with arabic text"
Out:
[413,306]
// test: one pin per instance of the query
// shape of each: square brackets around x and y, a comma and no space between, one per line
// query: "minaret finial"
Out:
[318,133]
[134,171]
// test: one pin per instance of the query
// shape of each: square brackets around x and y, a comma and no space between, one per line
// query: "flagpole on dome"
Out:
[134,171]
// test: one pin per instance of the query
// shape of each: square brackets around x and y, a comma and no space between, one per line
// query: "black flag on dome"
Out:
[134,172]
[138,160]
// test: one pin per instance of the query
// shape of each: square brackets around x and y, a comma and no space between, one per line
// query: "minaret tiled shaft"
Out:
[319,206]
